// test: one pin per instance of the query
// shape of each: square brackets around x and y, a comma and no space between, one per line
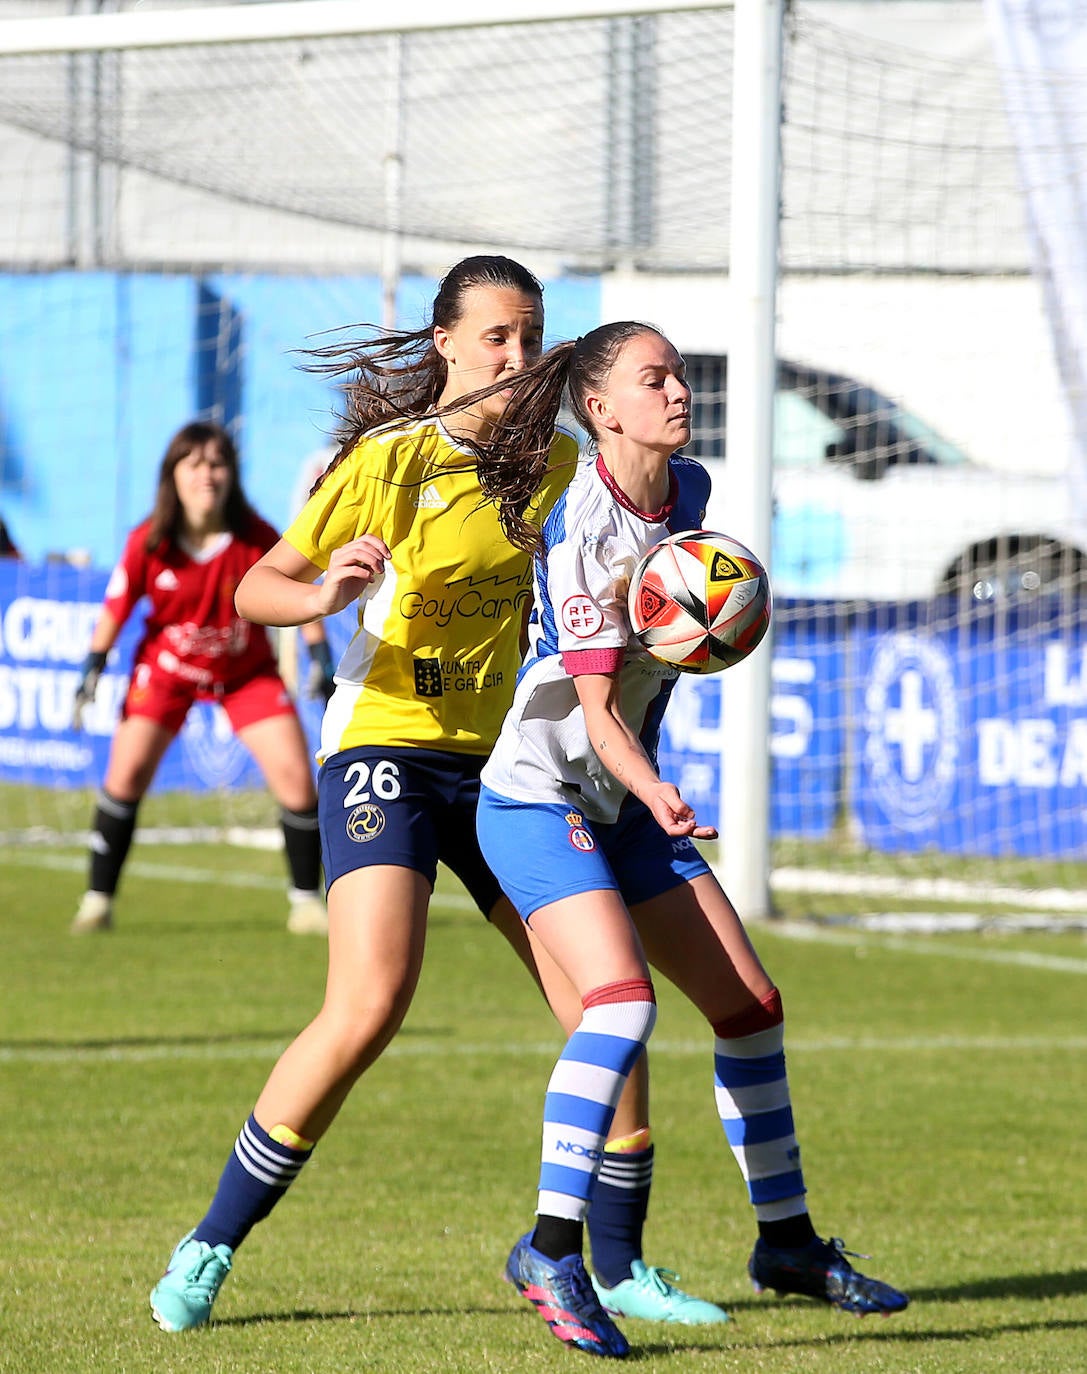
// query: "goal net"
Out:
[182,218]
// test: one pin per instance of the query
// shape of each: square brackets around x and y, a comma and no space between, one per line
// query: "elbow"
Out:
[243,599]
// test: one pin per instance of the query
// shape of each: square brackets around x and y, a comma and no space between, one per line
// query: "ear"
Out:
[600,413]
[443,343]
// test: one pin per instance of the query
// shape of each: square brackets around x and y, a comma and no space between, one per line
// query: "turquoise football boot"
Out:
[182,1298]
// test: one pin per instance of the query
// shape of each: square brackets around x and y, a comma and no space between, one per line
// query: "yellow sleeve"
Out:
[561,465]
[348,503]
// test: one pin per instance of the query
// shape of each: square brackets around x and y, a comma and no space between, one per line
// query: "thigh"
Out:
[376,936]
[279,746]
[632,1112]
[139,743]
[693,935]
[591,939]
[555,873]
[559,992]
[376,933]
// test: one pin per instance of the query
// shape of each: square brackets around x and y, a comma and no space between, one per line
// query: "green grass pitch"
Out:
[939,1084]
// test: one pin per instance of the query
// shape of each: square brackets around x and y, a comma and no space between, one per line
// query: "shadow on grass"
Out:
[1071,1284]
[887,1332]
[1038,1286]
[259,1041]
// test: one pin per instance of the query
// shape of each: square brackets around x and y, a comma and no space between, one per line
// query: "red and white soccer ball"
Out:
[699,601]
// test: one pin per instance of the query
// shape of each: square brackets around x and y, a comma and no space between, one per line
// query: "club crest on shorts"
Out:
[580,837]
[365,823]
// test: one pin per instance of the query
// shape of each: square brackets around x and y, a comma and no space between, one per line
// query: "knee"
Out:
[295,791]
[363,1030]
[630,1004]
[763,1014]
[128,783]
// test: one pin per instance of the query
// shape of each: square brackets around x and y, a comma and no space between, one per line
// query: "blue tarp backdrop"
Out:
[959,738]
[99,369]
[46,618]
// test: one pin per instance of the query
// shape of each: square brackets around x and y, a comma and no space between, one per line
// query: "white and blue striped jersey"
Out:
[592,540]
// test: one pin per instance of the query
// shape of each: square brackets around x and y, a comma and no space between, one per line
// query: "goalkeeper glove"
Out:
[88,683]
[320,680]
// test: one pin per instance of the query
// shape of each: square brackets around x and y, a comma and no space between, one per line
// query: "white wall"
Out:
[971,356]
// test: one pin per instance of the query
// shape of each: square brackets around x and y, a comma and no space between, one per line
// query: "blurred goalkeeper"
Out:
[187,558]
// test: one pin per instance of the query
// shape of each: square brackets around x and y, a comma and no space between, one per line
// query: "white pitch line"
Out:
[800,930]
[787,879]
[926,889]
[792,930]
[416,1046]
[174,873]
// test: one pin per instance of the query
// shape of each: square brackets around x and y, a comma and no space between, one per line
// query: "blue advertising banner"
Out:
[807,733]
[972,738]
[924,730]
[46,618]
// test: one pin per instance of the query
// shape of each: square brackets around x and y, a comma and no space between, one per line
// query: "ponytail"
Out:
[512,462]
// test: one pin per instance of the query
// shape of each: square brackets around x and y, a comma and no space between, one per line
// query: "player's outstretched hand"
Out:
[352,569]
[674,816]
[88,685]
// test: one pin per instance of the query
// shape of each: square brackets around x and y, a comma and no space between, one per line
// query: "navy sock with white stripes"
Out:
[617,1212]
[257,1174]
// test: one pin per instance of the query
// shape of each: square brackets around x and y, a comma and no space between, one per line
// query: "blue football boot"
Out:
[562,1294]
[820,1270]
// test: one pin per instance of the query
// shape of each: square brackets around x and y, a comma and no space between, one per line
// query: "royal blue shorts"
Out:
[542,851]
[409,807]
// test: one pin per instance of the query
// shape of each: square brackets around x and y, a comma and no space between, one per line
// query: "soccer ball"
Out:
[699,601]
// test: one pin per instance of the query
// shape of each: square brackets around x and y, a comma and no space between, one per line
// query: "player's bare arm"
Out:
[620,751]
[353,568]
[282,588]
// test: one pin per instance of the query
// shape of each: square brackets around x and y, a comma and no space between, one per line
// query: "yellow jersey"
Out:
[434,659]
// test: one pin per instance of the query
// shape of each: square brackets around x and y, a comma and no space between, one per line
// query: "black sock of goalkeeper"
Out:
[302,841]
[111,835]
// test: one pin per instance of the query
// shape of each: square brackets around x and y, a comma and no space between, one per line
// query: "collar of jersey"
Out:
[651,517]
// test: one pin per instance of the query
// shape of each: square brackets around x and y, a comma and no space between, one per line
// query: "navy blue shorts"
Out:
[543,851]
[410,807]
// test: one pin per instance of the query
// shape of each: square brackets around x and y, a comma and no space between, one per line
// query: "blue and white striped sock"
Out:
[585,1086]
[753,1102]
[257,1174]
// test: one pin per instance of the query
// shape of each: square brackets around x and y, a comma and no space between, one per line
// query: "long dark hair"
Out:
[399,374]
[512,461]
[167,514]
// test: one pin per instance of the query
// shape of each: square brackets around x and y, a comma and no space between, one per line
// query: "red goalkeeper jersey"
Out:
[192,629]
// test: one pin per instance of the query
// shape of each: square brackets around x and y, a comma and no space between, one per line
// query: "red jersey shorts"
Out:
[164,697]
